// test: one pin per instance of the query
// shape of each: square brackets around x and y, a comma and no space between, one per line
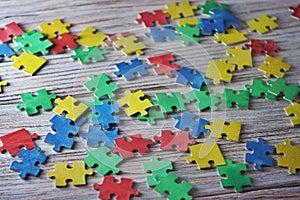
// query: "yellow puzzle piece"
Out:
[57,27]
[219,128]
[70,106]
[291,156]
[62,172]
[90,37]
[262,24]
[190,21]
[134,102]
[294,110]
[240,57]
[2,83]
[177,10]
[129,45]
[31,63]
[274,67]
[204,153]
[231,37]
[219,70]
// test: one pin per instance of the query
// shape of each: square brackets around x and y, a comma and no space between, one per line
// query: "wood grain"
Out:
[64,76]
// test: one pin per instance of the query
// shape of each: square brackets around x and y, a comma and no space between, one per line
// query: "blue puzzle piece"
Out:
[129,70]
[195,127]
[187,75]
[63,127]
[161,34]
[103,114]
[5,50]
[229,19]
[95,135]
[28,164]
[210,26]
[259,157]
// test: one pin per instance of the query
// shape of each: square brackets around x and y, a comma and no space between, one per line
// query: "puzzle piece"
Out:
[293,110]
[63,128]
[114,37]
[95,135]
[14,141]
[129,70]
[219,70]
[262,24]
[2,84]
[295,12]
[5,51]
[258,47]
[134,103]
[10,30]
[239,98]
[28,165]
[274,67]
[31,63]
[90,37]
[205,100]
[190,21]
[234,176]
[54,28]
[259,153]
[239,57]
[187,122]
[174,189]
[155,112]
[164,63]
[180,9]
[192,77]
[158,168]
[129,45]
[125,146]
[167,104]
[151,19]
[209,26]
[64,41]
[230,21]
[211,5]
[104,161]
[280,87]
[62,172]
[168,140]
[219,128]
[71,107]
[291,156]
[260,88]
[89,55]
[187,34]
[231,37]
[121,189]
[160,34]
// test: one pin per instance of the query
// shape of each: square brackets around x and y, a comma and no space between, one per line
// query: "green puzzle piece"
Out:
[234,176]
[168,103]
[87,56]
[279,86]
[259,88]
[153,113]
[211,5]
[230,97]
[188,34]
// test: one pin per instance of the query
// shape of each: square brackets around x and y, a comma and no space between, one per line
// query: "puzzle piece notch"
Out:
[90,37]
[129,70]
[231,37]
[295,12]
[239,57]
[5,51]
[63,42]
[91,54]
[219,70]
[281,87]
[293,110]
[180,9]
[262,24]
[31,63]
[274,67]
[164,62]
[219,128]
[57,27]
[231,98]
[205,100]
[260,88]
[161,34]
[151,19]
[10,30]
[187,34]
[2,84]
[129,45]
[258,47]
[211,5]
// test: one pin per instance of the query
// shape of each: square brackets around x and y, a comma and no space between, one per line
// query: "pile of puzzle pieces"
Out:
[106,147]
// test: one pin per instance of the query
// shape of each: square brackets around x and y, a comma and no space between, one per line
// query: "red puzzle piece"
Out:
[149,19]
[10,30]
[123,189]
[258,47]
[65,40]
[168,140]
[164,64]
[12,142]
[296,11]
[126,146]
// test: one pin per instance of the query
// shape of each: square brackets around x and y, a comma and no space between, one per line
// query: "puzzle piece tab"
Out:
[274,67]
[129,45]
[293,110]
[238,98]
[151,19]
[231,37]
[177,10]
[31,63]
[240,57]
[164,62]
[54,28]
[89,37]
[168,103]
[219,70]
[64,41]
[262,24]
[91,54]
[280,86]
[295,12]
[160,34]
[129,70]
[2,84]
[10,30]
[219,128]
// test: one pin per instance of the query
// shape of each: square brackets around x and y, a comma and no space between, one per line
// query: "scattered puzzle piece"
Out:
[31,63]
[129,70]
[258,47]
[219,70]
[274,67]
[211,5]
[161,34]
[239,98]
[92,54]
[54,28]
[64,41]
[260,88]
[155,112]
[231,37]
[219,128]
[295,12]
[177,10]
[293,110]
[10,30]
[5,51]
[205,100]
[210,26]
[230,21]
[240,57]
[187,34]
[164,64]
[280,87]
[167,104]
[114,37]
[151,19]
[90,37]
[129,45]
[2,84]
[262,24]
[190,21]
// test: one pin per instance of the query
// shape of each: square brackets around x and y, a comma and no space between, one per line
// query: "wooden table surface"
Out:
[63,76]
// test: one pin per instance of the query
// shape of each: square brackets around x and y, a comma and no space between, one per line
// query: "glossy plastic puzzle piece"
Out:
[295,12]
[129,70]
[125,146]
[211,5]
[2,84]
[230,21]
[168,103]
[28,166]
[10,30]
[14,141]
[210,26]
[258,47]
[96,135]
[161,34]
[238,98]
[129,45]
[62,173]
[5,51]
[91,54]
[240,57]
[234,176]
[71,107]
[114,37]
[231,37]
[63,42]
[122,189]
[174,189]
[155,112]
[219,128]
[151,19]
[190,21]
[274,67]
[28,62]
[219,71]
[164,63]
[259,155]
[169,140]
[90,37]
[63,128]
[158,168]
[280,86]
[262,24]
[134,103]
[205,100]
[259,88]
[293,110]
[54,28]
[187,122]
[177,10]
[187,34]
[192,77]
[104,160]
[291,158]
